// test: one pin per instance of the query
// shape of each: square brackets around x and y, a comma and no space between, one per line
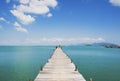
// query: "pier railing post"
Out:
[76,68]
[41,68]
[91,79]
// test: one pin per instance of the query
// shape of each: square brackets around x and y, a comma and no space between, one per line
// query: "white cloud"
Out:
[115,2]
[24,10]
[33,8]
[51,3]
[25,19]
[7,1]
[62,41]
[49,15]
[18,27]
[52,41]
[24,1]
[3,19]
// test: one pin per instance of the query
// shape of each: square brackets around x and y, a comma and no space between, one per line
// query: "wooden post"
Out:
[71,61]
[41,68]
[30,79]
[48,61]
[91,79]
[75,68]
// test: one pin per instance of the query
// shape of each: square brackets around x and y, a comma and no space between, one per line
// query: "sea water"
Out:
[21,63]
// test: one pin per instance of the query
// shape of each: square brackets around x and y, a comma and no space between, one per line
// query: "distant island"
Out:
[106,45]
[103,44]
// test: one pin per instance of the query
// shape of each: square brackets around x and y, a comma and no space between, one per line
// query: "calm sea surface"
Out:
[19,63]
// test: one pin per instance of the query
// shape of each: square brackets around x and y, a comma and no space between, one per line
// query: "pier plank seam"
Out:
[59,68]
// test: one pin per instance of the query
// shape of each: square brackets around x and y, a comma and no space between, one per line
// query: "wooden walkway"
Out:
[59,68]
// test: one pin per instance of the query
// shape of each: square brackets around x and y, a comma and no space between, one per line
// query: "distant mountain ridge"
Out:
[103,44]
[107,45]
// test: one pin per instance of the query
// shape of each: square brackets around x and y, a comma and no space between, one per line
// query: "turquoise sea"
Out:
[20,63]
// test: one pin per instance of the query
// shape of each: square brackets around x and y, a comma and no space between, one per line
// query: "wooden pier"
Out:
[59,68]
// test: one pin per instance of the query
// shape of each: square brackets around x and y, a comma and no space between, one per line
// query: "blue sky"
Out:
[47,22]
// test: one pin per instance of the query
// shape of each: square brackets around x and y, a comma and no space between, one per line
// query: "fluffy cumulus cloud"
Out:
[27,8]
[7,1]
[49,15]
[115,2]
[18,27]
[24,1]
[3,19]
[25,19]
